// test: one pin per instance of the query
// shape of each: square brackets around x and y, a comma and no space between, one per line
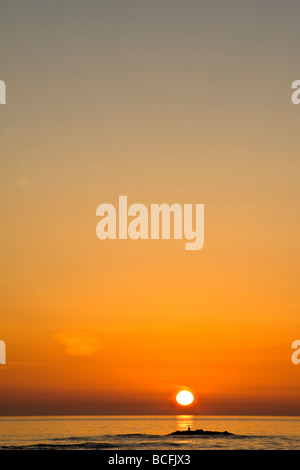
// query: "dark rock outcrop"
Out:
[200,432]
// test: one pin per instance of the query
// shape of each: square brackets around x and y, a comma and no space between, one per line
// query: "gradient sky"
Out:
[163,101]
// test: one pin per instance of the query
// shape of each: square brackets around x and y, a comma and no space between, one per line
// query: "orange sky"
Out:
[190,105]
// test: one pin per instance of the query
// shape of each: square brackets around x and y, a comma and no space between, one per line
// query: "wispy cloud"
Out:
[81,344]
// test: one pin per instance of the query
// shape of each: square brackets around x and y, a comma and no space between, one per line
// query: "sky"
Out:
[162,101]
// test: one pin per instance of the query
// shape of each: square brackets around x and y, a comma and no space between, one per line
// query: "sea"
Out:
[148,433]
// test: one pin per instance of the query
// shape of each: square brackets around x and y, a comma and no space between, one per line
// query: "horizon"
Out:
[178,414]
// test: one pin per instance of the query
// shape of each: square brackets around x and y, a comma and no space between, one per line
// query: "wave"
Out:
[145,436]
[128,441]
[109,436]
[120,441]
[44,446]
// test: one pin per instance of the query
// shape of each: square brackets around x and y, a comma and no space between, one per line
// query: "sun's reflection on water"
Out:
[183,422]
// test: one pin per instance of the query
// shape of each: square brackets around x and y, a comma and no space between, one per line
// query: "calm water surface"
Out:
[147,432]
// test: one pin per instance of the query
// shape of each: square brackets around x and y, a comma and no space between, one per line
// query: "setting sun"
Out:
[184,397]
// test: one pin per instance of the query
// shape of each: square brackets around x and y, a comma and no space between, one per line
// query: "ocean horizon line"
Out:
[206,416]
